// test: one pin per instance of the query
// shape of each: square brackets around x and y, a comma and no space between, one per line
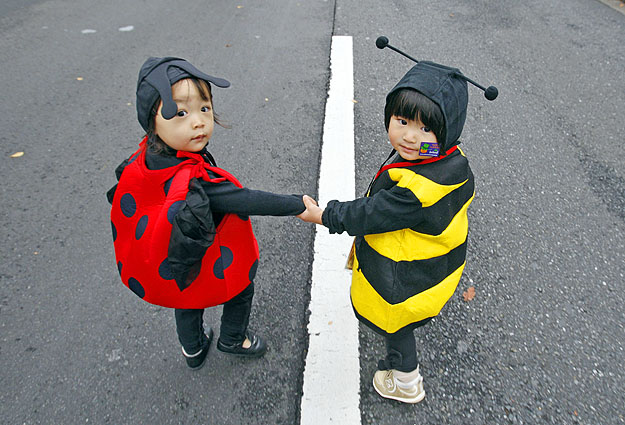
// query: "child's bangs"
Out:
[204,88]
[415,106]
[406,106]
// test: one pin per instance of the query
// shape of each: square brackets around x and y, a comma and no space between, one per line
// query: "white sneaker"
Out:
[388,385]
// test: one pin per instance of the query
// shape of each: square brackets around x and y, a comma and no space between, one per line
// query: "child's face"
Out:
[192,126]
[410,138]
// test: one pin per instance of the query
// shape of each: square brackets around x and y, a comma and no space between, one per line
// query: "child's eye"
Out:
[206,108]
[403,121]
[181,113]
[426,129]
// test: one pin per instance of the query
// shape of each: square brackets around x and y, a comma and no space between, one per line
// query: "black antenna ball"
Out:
[381,42]
[491,93]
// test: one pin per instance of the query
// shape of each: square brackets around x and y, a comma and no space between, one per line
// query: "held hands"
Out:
[313,213]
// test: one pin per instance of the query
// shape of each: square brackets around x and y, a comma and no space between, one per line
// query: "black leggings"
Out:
[234,321]
[401,352]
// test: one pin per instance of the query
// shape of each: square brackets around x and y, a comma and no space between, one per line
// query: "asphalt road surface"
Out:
[543,340]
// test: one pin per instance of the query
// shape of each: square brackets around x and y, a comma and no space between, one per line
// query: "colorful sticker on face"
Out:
[429,149]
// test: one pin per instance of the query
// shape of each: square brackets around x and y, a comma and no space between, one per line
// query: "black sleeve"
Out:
[386,211]
[118,173]
[193,231]
[226,197]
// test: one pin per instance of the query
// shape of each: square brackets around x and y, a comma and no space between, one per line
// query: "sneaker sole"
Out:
[414,400]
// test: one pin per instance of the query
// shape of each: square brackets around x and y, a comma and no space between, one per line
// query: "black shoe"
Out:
[257,348]
[196,361]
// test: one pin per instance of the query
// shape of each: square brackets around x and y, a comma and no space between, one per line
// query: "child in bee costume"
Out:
[411,227]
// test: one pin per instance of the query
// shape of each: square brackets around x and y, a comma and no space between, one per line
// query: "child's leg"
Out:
[401,352]
[399,377]
[234,338]
[236,316]
[190,328]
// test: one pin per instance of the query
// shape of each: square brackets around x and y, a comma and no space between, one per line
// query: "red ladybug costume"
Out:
[150,215]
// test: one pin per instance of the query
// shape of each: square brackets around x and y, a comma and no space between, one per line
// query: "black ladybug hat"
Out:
[156,77]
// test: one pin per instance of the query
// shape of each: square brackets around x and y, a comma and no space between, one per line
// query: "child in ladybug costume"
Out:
[181,227]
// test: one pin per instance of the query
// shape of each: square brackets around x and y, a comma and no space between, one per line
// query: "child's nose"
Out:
[410,136]
[198,122]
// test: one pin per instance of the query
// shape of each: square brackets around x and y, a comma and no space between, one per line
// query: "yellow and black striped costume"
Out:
[411,240]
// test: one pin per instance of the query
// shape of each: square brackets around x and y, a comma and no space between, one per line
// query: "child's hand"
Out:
[313,212]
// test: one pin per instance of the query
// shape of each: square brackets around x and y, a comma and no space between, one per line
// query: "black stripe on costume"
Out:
[399,208]
[409,327]
[448,171]
[436,218]
[409,277]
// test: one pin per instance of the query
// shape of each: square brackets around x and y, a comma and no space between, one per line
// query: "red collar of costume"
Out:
[200,167]
[143,146]
[410,163]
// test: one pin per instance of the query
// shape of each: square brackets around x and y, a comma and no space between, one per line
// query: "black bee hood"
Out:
[444,86]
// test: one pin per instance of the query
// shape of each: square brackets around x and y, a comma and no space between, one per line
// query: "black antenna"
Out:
[382,42]
[490,93]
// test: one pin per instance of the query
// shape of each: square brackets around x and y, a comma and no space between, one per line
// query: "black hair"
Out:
[411,104]
[155,143]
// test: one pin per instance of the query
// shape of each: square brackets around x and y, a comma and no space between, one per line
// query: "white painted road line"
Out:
[332,372]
